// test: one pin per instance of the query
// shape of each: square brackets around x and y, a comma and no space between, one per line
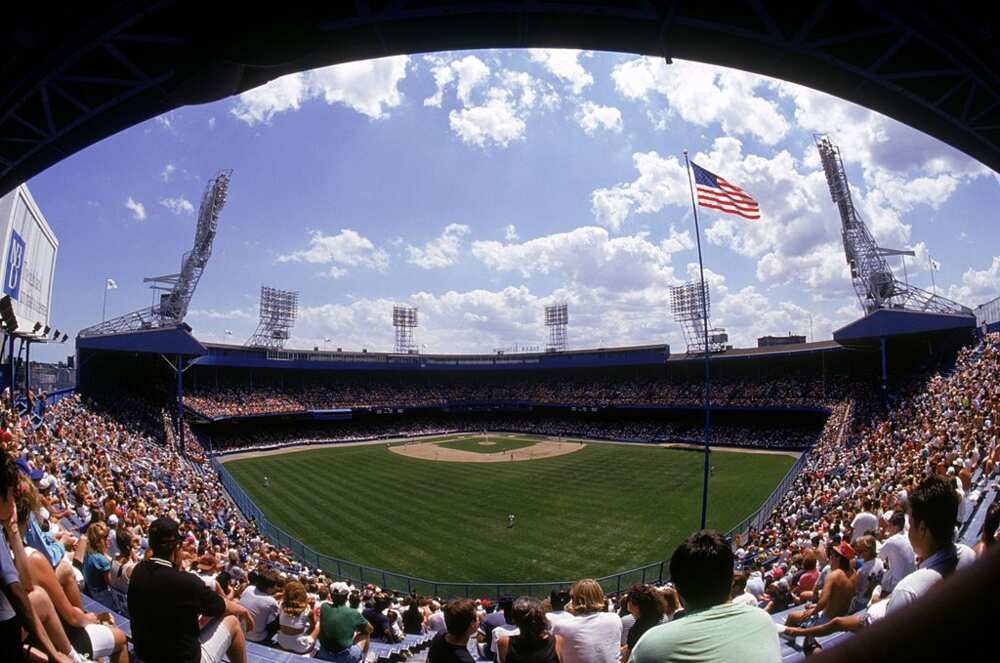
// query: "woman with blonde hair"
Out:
[97,564]
[593,635]
[297,629]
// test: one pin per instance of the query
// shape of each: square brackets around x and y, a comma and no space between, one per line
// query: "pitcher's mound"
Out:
[431,451]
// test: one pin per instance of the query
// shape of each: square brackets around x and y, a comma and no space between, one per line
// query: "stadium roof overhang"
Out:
[234,356]
[888,323]
[169,341]
[769,352]
[74,73]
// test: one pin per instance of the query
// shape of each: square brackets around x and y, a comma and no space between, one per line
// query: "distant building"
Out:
[768,341]
[988,315]
[48,377]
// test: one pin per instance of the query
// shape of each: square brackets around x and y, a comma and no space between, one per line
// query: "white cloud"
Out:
[872,140]
[470,71]
[564,64]
[370,87]
[443,75]
[493,107]
[704,95]
[168,172]
[363,323]
[467,73]
[586,256]
[591,117]
[138,209]
[441,251]
[346,249]
[661,181]
[495,122]
[678,241]
[510,233]
[978,286]
[211,122]
[822,268]
[179,205]
[259,105]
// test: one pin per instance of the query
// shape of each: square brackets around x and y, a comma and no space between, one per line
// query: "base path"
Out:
[431,451]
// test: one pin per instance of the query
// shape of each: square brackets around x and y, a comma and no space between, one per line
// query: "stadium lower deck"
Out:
[125,433]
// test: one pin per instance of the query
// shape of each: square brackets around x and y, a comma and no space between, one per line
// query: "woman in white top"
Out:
[592,635]
[297,629]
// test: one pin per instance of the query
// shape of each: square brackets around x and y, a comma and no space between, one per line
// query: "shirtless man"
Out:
[835,597]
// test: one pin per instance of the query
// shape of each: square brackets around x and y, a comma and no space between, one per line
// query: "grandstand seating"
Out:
[372,392]
[107,458]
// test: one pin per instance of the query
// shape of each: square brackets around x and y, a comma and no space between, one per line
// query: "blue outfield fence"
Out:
[655,572]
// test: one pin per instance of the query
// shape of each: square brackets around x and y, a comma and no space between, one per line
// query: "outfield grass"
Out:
[496,444]
[603,509]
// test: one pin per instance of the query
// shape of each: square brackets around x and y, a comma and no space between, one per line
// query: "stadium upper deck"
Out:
[118,358]
[235,356]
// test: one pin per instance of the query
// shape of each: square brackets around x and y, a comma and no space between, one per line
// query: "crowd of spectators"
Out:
[600,392]
[625,430]
[844,530]
[92,498]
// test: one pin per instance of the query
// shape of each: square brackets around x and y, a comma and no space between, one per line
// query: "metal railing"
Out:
[763,512]
[59,394]
[654,572]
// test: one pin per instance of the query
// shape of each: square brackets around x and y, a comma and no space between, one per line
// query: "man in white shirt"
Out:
[864,522]
[259,601]
[896,552]
[933,508]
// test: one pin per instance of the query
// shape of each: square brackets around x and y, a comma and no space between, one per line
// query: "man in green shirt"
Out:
[712,629]
[343,632]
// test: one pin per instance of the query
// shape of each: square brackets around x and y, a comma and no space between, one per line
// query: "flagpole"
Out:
[104,308]
[704,311]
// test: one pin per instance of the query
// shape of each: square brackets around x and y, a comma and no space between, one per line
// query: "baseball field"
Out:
[438,509]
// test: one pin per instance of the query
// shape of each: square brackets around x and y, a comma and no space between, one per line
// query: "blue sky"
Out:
[480,186]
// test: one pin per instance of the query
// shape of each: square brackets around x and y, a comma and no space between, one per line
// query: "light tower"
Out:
[874,282]
[404,319]
[176,290]
[690,305]
[278,310]
[556,319]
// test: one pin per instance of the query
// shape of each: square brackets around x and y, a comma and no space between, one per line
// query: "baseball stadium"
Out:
[672,466]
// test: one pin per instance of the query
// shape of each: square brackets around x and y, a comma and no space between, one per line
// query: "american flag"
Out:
[717,193]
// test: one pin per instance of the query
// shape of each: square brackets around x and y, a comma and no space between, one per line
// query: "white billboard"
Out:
[29,253]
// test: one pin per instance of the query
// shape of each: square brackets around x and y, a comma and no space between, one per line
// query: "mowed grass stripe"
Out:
[603,509]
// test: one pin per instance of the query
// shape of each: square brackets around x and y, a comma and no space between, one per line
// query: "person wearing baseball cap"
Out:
[343,633]
[165,605]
